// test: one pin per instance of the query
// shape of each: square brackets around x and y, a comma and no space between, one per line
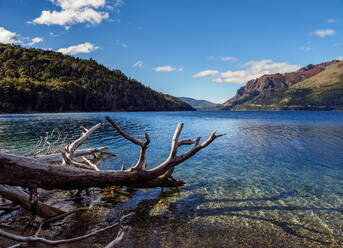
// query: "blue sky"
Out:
[205,49]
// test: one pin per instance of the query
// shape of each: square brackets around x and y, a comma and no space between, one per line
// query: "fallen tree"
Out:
[71,169]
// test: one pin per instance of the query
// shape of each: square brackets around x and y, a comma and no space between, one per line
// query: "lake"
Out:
[275,179]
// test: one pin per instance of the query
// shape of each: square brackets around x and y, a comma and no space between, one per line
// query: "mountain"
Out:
[199,104]
[35,80]
[313,87]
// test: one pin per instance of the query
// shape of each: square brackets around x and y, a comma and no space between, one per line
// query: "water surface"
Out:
[275,179]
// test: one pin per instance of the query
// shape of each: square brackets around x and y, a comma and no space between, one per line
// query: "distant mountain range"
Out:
[199,104]
[313,87]
[35,80]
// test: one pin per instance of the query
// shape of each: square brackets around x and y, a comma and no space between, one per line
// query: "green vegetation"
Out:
[35,80]
[323,91]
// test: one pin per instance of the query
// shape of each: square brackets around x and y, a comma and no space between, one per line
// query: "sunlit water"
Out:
[275,179]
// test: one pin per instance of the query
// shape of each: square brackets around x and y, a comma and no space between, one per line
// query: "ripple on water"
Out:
[275,180]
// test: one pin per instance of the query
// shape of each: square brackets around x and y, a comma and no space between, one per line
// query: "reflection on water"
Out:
[275,180]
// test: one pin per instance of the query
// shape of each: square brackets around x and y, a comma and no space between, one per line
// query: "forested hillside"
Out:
[35,80]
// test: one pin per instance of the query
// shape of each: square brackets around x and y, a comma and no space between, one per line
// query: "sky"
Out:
[204,49]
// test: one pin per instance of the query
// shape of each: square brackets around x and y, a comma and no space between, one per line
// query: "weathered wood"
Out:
[21,198]
[39,172]
[69,150]
[143,144]
[23,171]
[34,239]
[57,157]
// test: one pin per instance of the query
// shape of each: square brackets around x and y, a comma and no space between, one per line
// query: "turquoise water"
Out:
[275,179]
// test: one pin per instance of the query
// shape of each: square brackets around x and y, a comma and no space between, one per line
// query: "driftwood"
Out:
[21,198]
[24,171]
[36,239]
[58,158]
[72,169]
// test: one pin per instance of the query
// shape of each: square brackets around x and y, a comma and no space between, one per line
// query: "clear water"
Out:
[275,179]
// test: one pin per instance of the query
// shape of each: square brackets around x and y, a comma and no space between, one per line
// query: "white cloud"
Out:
[306,49]
[139,63]
[71,16]
[340,58]
[337,44]
[324,32]
[331,20]
[52,34]
[76,11]
[167,68]
[36,40]
[217,80]
[8,37]
[124,45]
[253,69]
[206,73]
[77,4]
[228,58]
[81,48]
[119,3]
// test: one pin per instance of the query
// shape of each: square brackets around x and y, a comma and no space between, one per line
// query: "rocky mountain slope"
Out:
[35,80]
[312,87]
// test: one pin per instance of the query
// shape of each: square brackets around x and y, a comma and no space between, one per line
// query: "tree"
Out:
[72,169]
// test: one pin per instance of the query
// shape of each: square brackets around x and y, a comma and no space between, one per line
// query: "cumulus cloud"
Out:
[76,11]
[331,20]
[36,40]
[139,63]
[206,73]
[167,68]
[81,48]
[252,69]
[340,58]
[77,4]
[8,37]
[71,16]
[324,32]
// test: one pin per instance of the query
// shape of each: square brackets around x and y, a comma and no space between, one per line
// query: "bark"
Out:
[24,171]
[76,171]
[57,157]
[35,239]
[21,198]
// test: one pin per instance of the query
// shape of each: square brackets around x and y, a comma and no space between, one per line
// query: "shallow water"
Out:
[275,179]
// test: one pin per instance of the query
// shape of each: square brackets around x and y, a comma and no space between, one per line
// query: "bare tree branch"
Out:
[141,143]
[68,152]
[30,171]
[33,239]
[57,157]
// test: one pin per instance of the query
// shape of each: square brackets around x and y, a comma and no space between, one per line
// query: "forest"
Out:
[36,80]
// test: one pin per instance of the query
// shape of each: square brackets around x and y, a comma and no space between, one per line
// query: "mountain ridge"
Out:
[36,80]
[199,104]
[283,92]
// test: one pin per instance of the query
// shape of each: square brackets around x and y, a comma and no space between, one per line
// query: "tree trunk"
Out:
[21,198]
